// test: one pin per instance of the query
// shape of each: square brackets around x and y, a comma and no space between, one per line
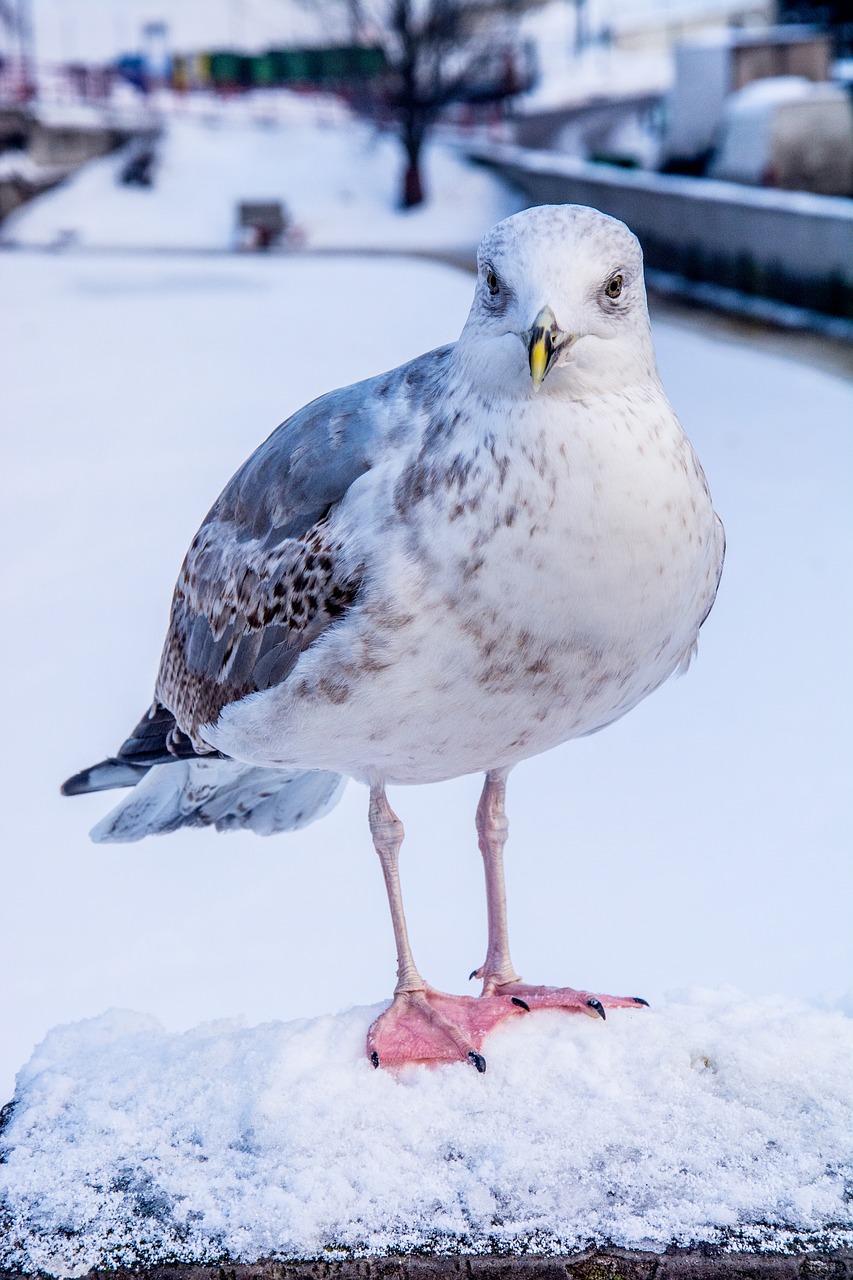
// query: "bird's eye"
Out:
[492,282]
[614,286]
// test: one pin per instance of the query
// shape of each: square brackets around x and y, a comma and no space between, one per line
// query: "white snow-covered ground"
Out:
[716,1118]
[338,178]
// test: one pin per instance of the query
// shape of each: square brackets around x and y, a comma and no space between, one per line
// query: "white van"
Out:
[789,132]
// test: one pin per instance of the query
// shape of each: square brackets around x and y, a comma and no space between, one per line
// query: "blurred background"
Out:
[212,211]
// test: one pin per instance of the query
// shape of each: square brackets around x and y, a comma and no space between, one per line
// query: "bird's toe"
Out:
[430,1026]
[529,997]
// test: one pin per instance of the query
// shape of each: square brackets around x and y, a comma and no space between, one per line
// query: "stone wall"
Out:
[789,245]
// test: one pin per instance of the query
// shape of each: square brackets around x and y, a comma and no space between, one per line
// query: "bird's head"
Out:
[560,304]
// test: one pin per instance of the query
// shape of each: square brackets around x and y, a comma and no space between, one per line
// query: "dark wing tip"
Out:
[75,786]
[103,776]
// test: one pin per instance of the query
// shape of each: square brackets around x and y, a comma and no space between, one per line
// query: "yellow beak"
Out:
[540,356]
[546,339]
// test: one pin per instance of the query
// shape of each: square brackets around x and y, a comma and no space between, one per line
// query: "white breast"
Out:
[536,597]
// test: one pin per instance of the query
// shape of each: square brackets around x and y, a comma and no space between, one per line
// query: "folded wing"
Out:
[265,575]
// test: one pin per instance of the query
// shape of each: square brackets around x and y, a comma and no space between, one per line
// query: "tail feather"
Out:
[175,787]
[155,740]
[220,793]
[104,776]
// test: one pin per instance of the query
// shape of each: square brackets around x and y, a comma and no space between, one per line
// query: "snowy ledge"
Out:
[716,1120]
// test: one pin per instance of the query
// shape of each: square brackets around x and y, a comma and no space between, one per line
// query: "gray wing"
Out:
[262,579]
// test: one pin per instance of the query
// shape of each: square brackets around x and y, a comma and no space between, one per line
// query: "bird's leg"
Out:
[492,831]
[498,973]
[422,1024]
[387,831]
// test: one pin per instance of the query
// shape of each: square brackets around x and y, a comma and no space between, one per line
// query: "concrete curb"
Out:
[700,1263]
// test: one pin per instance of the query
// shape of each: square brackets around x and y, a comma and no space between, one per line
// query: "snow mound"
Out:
[337,178]
[716,1118]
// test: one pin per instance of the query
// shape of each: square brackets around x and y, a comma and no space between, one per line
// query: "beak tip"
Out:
[539,360]
[542,349]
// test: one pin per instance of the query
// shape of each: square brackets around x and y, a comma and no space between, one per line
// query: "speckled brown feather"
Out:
[242,614]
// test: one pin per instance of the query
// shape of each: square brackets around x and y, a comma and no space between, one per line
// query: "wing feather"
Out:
[265,575]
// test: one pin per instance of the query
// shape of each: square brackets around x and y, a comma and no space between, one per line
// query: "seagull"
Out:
[446,569]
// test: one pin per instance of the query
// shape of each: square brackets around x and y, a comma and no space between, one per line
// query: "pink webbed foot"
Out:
[430,1026]
[537,997]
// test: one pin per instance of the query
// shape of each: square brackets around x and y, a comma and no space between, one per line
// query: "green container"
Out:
[339,64]
[230,70]
[302,66]
[335,65]
[371,62]
[264,71]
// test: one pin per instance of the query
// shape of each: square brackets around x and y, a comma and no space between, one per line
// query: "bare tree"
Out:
[440,52]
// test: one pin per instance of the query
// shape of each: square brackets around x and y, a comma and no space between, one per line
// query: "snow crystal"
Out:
[716,1118]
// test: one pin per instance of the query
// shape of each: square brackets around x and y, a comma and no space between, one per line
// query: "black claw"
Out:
[478,1060]
[522,1004]
[374,1058]
[472,974]
[597,1006]
[640,1000]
